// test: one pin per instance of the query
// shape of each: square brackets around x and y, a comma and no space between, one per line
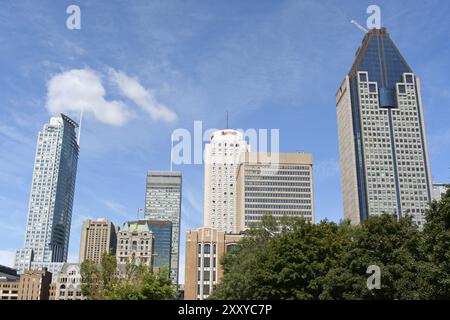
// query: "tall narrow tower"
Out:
[163,202]
[382,138]
[222,158]
[51,198]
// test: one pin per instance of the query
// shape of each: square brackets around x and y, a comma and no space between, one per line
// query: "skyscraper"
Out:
[51,198]
[279,189]
[382,138]
[97,238]
[222,158]
[163,202]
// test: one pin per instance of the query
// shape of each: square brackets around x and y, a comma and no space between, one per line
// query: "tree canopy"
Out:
[135,282]
[293,259]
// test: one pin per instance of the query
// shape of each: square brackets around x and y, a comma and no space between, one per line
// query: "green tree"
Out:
[142,284]
[384,241]
[298,260]
[436,245]
[97,279]
[282,262]
[137,282]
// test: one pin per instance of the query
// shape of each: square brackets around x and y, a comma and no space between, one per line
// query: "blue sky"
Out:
[272,64]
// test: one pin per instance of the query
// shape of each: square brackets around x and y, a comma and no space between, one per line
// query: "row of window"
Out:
[252,200]
[270,206]
[278,195]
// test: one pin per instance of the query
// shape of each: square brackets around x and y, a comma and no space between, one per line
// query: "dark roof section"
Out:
[381,58]
[8,270]
[69,120]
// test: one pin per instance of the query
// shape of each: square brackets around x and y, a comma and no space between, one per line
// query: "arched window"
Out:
[207,248]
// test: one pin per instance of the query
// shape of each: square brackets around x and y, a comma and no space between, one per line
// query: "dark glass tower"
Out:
[382,138]
[162,237]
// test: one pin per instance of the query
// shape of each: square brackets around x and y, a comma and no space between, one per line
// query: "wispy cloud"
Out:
[79,90]
[117,208]
[13,134]
[144,98]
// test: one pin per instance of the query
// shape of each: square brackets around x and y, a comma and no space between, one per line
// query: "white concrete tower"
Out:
[222,156]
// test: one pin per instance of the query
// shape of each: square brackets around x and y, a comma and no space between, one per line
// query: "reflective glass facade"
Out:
[51,197]
[162,245]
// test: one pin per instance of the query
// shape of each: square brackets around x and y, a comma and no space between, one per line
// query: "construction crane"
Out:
[360,27]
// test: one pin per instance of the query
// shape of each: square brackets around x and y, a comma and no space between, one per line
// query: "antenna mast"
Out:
[360,27]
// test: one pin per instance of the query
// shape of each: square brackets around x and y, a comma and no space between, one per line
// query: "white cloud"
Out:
[142,97]
[81,89]
[7,258]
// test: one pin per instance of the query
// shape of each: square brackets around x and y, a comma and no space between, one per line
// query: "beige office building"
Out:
[135,243]
[203,270]
[97,238]
[280,188]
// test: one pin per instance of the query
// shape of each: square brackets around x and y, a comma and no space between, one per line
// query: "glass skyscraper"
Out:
[382,138]
[51,198]
[162,247]
[163,202]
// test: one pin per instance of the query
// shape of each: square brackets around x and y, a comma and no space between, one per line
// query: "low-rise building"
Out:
[135,243]
[204,249]
[9,289]
[437,190]
[68,283]
[52,291]
[34,285]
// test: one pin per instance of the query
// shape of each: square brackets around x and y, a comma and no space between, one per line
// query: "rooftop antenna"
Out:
[360,27]
[79,127]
